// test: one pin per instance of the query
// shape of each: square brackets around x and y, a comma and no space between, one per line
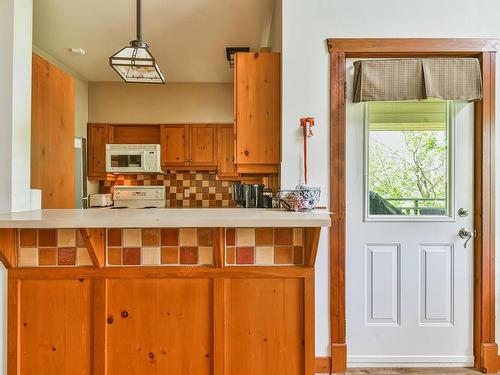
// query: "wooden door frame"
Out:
[485,347]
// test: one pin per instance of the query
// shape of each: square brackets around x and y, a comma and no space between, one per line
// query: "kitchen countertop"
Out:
[163,217]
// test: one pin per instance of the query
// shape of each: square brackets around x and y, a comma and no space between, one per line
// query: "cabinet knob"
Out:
[247,152]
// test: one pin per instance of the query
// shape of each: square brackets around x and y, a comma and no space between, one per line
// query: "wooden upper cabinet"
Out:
[189,146]
[173,140]
[225,154]
[98,135]
[136,134]
[257,108]
[203,145]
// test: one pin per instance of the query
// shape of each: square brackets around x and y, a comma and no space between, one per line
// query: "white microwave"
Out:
[133,158]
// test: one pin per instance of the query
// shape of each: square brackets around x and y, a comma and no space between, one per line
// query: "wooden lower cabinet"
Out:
[55,334]
[159,327]
[265,326]
[151,320]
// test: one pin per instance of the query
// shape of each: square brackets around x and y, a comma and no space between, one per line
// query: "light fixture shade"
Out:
[135,64]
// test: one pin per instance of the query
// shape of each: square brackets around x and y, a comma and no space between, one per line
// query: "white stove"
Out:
[139,196]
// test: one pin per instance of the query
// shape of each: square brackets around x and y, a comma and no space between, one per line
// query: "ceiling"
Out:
[187,37]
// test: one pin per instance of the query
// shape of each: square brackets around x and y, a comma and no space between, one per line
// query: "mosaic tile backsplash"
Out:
[155,246]
[204,189]
[52,247]
[264,246]
[163,247]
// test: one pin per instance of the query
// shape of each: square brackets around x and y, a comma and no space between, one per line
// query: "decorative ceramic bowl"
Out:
[301,199]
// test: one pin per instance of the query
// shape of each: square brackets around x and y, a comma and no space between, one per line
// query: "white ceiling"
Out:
[187,37]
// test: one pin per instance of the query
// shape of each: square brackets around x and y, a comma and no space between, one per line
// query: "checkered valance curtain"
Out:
[417,79]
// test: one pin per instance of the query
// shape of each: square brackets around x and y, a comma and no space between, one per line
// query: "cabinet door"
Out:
[173,145]
[203,145]
[225,145]
[161,326]
[257,106]
[97,137]
[56,335]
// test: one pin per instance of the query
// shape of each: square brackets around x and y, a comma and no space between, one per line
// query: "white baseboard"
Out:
[409,361]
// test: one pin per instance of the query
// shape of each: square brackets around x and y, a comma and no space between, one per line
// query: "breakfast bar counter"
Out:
[152,291]
[163,217]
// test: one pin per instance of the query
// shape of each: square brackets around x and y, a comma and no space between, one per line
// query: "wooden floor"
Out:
[416,371]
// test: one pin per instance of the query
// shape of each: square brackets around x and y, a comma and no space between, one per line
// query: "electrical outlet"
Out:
[186,193]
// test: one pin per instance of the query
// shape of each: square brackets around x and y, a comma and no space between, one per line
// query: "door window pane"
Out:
[408,159]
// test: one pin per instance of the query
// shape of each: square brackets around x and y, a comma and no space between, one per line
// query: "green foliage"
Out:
[409,164]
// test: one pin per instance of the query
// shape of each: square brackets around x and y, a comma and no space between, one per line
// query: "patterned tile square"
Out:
[151,237]
[205,237]
[66,256]
[230,255]
[131,237]
[114,256]
[28,238]
[169,237]
[230,237]
[82,257]
[151,256]
[47,256]
[188,255]
[245,237]
[245,255]
[170,255]
[205,255]
[188,237]
[297,236]
[283,255]
[66,238]
[132,256]
[28,257]
[264,236]
[264,255]
[298,255]
[79,239]
[47,237]
[283,236]
[114,237]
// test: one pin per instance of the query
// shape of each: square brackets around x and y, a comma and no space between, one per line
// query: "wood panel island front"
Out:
[161,291]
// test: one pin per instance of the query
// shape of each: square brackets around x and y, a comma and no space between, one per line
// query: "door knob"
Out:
[466,235]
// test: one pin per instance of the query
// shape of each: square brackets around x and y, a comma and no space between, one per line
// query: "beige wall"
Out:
[118,102]
[276,26]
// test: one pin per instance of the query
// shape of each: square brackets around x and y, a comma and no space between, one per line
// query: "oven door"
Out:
[126,161]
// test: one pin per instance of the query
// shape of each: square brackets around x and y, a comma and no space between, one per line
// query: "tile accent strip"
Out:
[159,247]
[264,246]
[52,248]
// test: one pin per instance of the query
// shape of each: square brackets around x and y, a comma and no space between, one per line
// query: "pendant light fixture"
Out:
[134,63]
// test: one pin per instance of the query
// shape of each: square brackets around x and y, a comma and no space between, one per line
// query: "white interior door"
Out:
[409,277]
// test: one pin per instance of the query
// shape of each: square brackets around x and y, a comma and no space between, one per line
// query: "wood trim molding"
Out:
[311,242]
[484,219]
[337,205]
[323,365]
[219,235]
[485,348]
[95,239]
[220,297]
[8,247]
[100,331]
[14,326]
[411,46]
